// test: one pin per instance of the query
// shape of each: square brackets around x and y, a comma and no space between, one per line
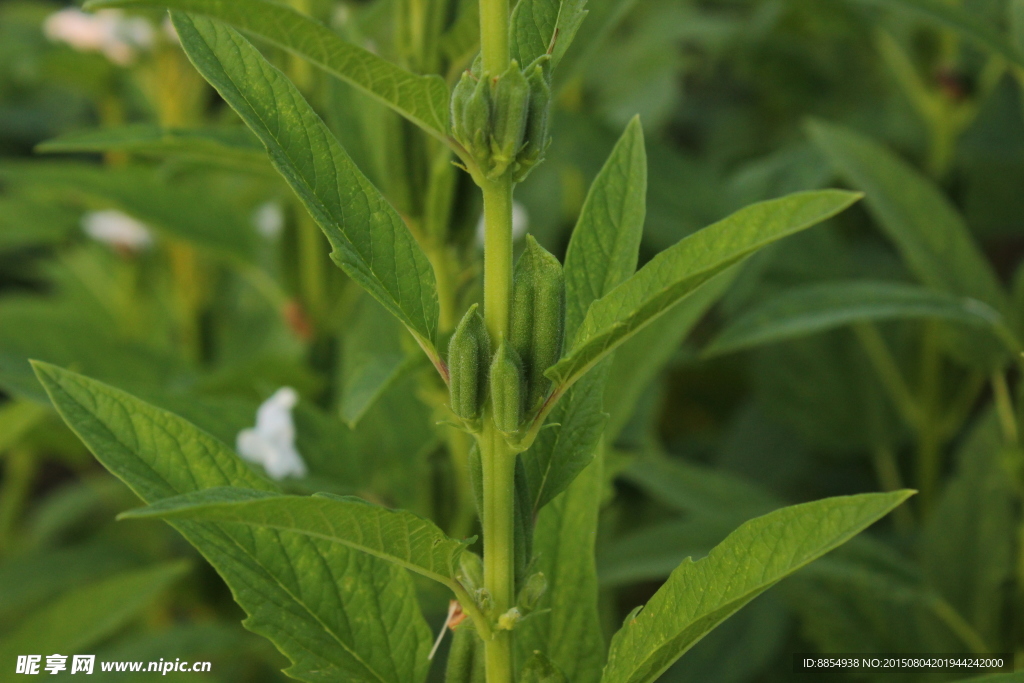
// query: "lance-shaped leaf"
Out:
[570,634]
[398,536]
[336,613]
[541,26]
[927,229]
[233,147]
[371,242]
[421,99]
[601,254]
[184,212]
[700,595]
[817,308]
[87,615]
[678,271]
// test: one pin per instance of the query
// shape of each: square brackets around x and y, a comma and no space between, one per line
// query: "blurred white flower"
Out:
[272,442]
[269,219]
[117,229]
[520,223]
[118,37]
[170,31]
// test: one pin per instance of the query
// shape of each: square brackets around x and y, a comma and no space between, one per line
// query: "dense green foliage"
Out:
[267,299]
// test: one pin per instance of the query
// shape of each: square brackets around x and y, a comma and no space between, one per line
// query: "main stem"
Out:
[497,459]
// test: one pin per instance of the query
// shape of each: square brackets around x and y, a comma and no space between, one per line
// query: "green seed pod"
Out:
[510,101]
[467,365]
[477,121]
[466,658]
[461,95]
[530,595]
[535,137]
[538,316]
[471,571]
[507,388]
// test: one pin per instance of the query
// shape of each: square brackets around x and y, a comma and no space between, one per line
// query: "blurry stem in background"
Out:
[888,372]
[459,445]
[1004,408]
[889,478]
[19,472]
[929,440]
[959,626]
[960,407]
[299,70]
[186,275]
[312,251]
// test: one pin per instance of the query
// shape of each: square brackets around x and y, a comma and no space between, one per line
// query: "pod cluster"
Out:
[513,376]
[502,120]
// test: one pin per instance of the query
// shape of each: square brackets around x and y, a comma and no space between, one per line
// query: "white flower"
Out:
[117,229]
[272,442]
[269,219]
[520,223]
[118,37]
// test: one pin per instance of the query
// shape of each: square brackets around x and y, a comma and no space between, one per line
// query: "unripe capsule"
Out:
[507,388]
[535,137]
[530,595]
[461,95]
[510,106]
[538,316]
[466,658]
[468,351]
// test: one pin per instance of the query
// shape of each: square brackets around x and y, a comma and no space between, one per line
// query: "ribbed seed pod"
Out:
[510,105]
[532,592]
[506,383]
[468,351]
[538,316]
[461,95]
[466,658]
[536,135]
[478,122]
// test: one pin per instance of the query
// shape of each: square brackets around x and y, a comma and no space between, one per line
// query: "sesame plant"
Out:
[519,351]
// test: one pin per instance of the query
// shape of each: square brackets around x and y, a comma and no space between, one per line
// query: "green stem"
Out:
[312,273]
[888,372]
[17,483]
[494,35]
[929,441]
[497,256]
[1004,407]
[498,464]
[889,478]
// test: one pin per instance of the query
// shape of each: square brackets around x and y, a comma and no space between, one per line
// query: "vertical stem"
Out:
[498,465]
[17,483]
[497,256]
[494,35]
[312,274]
[929,441]
[1004,407]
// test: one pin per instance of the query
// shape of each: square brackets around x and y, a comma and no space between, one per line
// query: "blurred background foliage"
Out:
[209,288]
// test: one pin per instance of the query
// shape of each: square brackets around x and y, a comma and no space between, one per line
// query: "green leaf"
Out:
[816,308]
[397,536]
[700,595]
[371,242]
[916,216]
[967,543]
[601,254]
[678,271]
[641,358]
[26,222]
[605,243]
[542,25]
[563,544]
[188,213]
[958,19]
[87,615]
[345,615]
[373,358]
[233,147]
[421,99]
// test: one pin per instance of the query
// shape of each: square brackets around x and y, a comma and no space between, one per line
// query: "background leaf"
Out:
[421,99]
[371,242]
